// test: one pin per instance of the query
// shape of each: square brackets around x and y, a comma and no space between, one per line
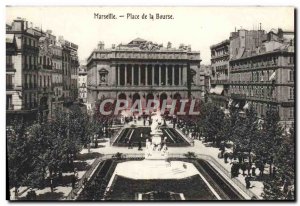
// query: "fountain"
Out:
[156,149]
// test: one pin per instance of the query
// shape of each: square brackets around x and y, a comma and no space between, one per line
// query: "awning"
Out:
[230,102]
[226,111]
[246,106]
[10,38]
[217,89]
[88,106]
[272,76]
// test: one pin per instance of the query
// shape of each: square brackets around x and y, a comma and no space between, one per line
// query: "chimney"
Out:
[101,45]
[169,45]
[259,26]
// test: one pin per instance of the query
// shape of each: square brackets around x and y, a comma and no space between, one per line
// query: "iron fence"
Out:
[74,192]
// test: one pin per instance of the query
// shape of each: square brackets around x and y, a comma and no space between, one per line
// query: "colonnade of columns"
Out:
[150,75]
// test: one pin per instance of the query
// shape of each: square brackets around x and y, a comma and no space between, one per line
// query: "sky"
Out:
[199,27]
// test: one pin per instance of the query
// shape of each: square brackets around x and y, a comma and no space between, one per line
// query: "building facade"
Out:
[74,72]
[57,77]
[255,68]
[70,65]
[220,55]
[82,84]
[22,53]
[266,79]
[143,70]
[34,77]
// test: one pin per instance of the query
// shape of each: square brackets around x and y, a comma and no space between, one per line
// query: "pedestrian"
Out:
[261,169]
[247,180]
[253,171]
[51,184]
[96,143]
[226,157]
[274,172]
[76,173]
[174,121]
[73,181]
[232,171]
[129,144]
[249,168]
[140,145]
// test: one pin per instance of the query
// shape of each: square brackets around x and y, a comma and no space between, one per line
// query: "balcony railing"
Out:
[223,81]
[10,66]
[28,47]
[9,86]
[254,66]
[238,96]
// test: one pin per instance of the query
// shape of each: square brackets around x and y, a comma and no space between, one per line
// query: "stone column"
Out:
[180,81]
[146,75]
[125,70]
[152,75]
[159,75]
[173,75]
[166,75]
[119,68]
[132,75]
[139,75]
[184,75]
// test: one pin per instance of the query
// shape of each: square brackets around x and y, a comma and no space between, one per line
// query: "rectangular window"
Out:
[291,60]
[9,82]
[291,92]
[9,104]
[8,60]
[291,76]
[291,112]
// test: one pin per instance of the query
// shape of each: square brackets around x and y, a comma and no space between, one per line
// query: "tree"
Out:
[271,138]
[19,153]
[213,122]
[245,133]
[40,140]
[33,151]
[279,186]
[285,157]
[272,190]
[224,133]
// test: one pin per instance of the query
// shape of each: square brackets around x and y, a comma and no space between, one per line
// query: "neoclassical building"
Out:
[144,70]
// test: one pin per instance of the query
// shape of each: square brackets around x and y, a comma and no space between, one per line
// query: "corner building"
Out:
[264,77]
[142,70]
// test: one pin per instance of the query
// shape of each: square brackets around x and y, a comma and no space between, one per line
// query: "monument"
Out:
[156,148]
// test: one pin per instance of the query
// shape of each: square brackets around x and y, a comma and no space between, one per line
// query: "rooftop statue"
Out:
[149,45]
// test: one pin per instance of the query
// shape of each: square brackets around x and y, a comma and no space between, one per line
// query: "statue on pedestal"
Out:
[156,149]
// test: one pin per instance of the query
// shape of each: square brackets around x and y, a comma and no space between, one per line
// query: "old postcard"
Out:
[150,103]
